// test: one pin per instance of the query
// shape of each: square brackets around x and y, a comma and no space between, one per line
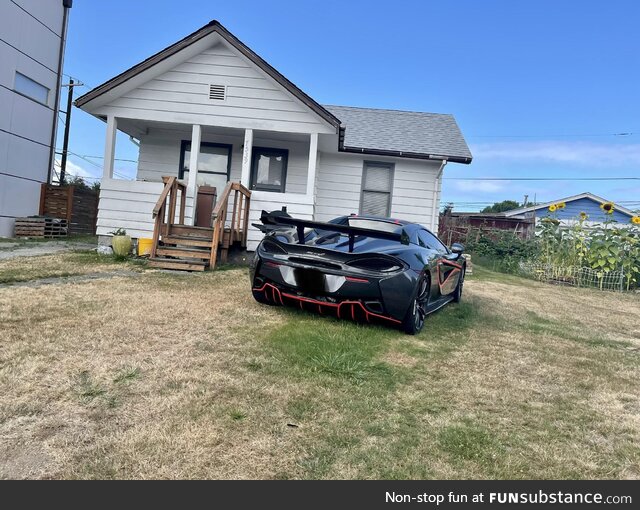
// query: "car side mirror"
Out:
[457,248]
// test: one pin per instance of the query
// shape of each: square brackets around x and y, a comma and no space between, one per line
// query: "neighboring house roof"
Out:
[362,130]
[402,133]
[212,26]
[590,196]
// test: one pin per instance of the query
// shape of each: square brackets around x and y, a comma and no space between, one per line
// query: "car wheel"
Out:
[457,295]
[417,313]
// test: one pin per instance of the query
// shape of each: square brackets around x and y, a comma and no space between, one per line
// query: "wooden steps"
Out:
[187,241]
[177,245]
[183,253]
[185,248]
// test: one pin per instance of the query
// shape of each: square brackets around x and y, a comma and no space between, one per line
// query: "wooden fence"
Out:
[79,206]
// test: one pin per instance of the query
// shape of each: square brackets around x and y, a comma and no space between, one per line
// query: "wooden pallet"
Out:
[39,226]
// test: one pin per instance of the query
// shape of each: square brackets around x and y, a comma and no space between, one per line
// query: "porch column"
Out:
[110,147]
[246,158]
[196,135]
[313,162]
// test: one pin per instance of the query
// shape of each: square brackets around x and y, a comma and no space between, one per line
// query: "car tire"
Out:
[417,312]
[457,295]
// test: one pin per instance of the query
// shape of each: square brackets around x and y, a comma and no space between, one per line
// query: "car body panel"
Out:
[353,273]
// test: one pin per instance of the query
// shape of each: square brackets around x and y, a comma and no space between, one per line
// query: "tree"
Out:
[498,207]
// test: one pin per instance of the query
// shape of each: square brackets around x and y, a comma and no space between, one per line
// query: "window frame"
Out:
[183,150]
[28,96]
[255,153]
[392,170]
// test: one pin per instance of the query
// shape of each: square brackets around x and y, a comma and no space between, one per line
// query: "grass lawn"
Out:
[184,375]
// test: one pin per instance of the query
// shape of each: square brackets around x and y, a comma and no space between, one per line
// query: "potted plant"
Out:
[121,243]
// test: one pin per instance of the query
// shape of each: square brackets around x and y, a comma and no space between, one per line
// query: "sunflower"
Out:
[583,215]
[635,220]
[607,207]
[561,205]
[552,208]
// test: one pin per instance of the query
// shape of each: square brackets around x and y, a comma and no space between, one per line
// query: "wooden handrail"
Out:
[239,218]
[164,215]
[222,201]
[168,184]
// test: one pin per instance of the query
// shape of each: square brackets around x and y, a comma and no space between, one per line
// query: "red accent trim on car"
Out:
[277,292]
[356,280]
[457,269]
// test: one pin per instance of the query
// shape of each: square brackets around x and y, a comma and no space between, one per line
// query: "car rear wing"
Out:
[277,218]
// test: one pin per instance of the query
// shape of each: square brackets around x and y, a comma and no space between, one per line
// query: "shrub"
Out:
[502,248]
[602,247]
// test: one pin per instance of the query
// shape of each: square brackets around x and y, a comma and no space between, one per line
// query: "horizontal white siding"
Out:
[339,184]
[297,205]
[128,205]
[160,155]
[253,99]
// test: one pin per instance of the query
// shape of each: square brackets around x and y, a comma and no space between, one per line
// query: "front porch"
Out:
[277,168]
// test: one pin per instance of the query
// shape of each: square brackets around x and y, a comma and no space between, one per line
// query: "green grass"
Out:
[520,380]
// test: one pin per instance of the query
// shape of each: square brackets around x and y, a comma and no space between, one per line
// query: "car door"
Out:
[447,270]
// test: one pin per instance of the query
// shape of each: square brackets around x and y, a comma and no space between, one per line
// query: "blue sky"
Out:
[540,89]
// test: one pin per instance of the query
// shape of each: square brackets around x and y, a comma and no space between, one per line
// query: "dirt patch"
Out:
[14,250]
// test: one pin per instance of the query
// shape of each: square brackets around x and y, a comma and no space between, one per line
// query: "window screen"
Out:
[31,88]
[377,183]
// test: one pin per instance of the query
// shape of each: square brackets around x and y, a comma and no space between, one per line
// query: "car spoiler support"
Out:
[268,218]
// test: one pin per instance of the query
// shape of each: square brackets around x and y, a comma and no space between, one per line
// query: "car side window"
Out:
[428,240]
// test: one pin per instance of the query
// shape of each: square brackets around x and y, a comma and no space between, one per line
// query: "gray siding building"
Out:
[32,39]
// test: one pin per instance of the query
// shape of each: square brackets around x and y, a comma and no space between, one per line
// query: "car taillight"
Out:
[271,247]
[375,264]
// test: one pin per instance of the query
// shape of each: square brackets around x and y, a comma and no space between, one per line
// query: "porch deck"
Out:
[180,245]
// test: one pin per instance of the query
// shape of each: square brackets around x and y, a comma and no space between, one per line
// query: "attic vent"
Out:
[217,92]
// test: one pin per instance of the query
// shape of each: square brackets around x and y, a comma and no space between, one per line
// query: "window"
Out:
[428,240]
[377,183]
[30,88]
[214,164]
[269,169]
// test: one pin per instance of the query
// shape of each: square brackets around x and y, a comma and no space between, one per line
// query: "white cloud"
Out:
[480,186]
[589,154]
[74,169]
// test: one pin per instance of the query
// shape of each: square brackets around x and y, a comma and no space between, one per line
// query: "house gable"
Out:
[176,87]
[585,202]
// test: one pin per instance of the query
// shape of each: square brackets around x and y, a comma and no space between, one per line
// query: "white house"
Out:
[32,40]
[210,103]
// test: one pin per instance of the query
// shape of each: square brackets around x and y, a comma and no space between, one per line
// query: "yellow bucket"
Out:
[144,246]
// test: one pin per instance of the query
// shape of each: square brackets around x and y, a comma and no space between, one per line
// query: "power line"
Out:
[542,178]
[624,133]
[96,164]
[116,159]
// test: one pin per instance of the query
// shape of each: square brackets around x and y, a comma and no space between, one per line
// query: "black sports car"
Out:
[357,267]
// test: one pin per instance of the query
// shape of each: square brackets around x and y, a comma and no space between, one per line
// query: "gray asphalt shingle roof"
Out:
[434,134]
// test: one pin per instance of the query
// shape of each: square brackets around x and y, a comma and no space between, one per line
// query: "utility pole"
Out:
[526,201]
[67,126]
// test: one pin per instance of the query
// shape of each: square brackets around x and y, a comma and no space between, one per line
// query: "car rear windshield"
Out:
[379,225]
